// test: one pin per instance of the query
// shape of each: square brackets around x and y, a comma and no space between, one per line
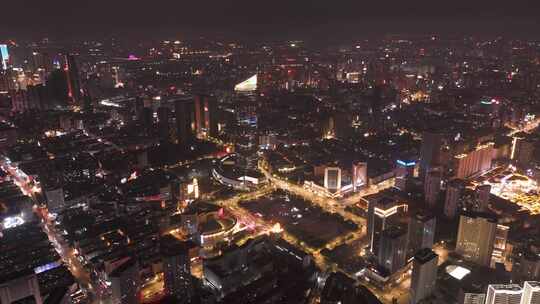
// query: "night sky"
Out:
[257,17]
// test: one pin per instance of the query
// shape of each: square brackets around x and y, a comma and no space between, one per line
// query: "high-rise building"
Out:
[73,79]
[383,212]
[476,237]
[454,192]
[164,127]
[499,245]
[531,293]
[424,275]
[125,283]
[404,173]
[482,194]
[206,120]
[522,148]
[359,175]
[421,232]
[430,151]
[185,119]
[177,268]
[504,294]
[432,186]
[392,254]
[332,178]
[476,161]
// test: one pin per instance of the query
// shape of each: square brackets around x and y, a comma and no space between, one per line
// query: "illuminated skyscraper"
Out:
[206,120]
[73,79]
[476,237]
[504,294]
[332,178]
[424,275]
[359,175]
[474,162]
[499,245]
[383,212]
[404,173]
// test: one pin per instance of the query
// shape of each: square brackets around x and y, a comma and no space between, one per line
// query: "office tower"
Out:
[454,192]
[332,178]
[206,116]
[504,294]
[177,267]
[184,113]
[482,194]
[421,232]
[125,283]
[472,298]
[383,212]
[476,236]
[474,162]
[404,172]
[164,129]
[531,293]
[359,175]
[499,245]
[393,248]
[73,80]
[430,151]
[424,275]
[432,186]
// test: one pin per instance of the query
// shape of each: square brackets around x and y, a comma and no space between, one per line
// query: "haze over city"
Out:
[276,152]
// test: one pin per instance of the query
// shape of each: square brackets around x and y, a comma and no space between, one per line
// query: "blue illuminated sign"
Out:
[4,54]
[46,267]
[406,164]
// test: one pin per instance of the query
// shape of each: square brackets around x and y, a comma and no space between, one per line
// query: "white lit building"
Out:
[504,294]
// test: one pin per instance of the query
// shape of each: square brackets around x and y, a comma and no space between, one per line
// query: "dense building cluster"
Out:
[394,170]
